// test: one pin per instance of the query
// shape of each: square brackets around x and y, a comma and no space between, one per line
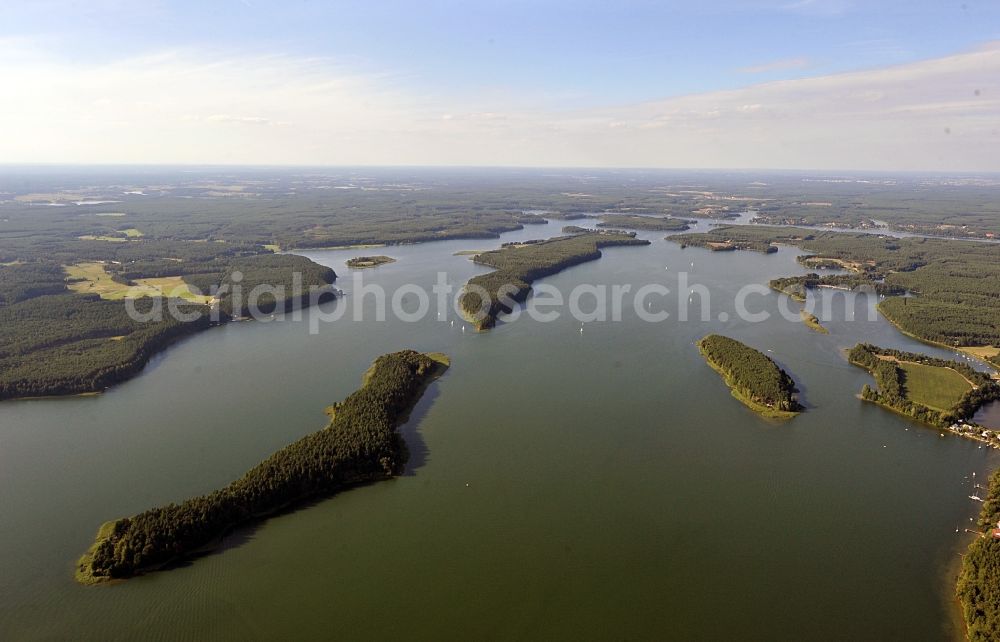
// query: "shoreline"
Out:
[528,270]
[959,349]
[975,586]
[952,604]
[325,248]
[764,411]
[83,572]
[812,322]
[942,431]
[965,428]
[366,262]
[290,305]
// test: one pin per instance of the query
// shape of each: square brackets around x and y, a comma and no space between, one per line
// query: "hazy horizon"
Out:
[817,85]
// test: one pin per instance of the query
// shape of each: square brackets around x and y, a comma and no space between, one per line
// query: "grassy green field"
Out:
[172,286]
[938,388]
[92,278]
[981,352]
[130,233]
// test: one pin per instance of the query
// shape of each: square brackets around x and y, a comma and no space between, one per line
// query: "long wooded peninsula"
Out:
[487,296]
[360,445]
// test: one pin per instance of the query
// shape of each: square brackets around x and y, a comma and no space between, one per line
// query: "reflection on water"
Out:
[989,415]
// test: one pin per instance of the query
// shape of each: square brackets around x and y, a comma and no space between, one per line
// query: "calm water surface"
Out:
[601,485]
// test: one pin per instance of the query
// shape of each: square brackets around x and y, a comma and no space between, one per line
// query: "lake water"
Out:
[563,485]
[989,415]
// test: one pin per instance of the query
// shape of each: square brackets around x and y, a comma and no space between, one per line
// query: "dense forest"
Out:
[934,207]
[22,281]
[70,344]
[55,342]
[518,265]
[891,382]
[361,444]
[284,281]
[752,375]
[978,586]
[955,287]
[300,208]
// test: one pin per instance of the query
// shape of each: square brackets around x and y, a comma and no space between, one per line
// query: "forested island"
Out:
[360,445]
[645,223]
[717,243]
[359,262]
[753,377]
[938,392]
[978,587]
[797,286]
[812,322]
[517,265]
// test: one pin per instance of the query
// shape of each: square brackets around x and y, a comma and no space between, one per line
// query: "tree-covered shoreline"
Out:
[891,385]
[955,285]
[797,286]
[360,445]
[978,585]
[57,342]
[645,223]
[67,344]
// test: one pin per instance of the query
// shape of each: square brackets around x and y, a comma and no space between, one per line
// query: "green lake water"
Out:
[562,485]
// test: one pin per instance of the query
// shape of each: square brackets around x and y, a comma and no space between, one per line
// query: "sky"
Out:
[778,84]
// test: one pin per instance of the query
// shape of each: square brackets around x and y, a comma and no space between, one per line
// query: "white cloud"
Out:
[192,107]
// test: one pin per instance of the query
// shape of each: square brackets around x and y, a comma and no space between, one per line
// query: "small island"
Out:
[360,262]
[716,241]
[518,264]
[938,392]
[812,321]
[797,286]
[752,376]
[645,223]
[360,445]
